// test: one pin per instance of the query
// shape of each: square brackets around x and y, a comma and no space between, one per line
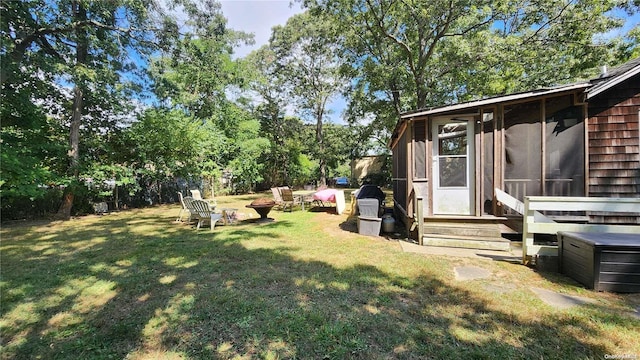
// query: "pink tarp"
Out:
[332,195]
[328,195]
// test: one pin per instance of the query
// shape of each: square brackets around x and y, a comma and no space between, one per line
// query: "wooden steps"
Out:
[465,233]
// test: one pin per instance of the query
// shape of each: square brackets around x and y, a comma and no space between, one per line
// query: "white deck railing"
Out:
[534,224]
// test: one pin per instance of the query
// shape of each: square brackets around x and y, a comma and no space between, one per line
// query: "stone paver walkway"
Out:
[560,301]
[464,273]
[468,272]
[515,255]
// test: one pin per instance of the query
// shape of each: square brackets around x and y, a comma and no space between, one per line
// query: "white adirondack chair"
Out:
[183,210]
[198,196]
[205,213]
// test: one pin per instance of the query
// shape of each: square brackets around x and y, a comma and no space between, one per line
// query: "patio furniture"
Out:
[205,213]
[198,196]
[183,210]
[306,197]
[601,261]
[277,198]
[289,200]
[333,196]
[188,204]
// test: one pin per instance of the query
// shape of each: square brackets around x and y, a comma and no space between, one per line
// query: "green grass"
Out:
[137,285]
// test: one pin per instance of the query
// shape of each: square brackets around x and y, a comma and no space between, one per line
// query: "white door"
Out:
[453,166]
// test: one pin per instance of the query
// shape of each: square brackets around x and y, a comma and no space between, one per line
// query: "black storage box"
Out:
[601,261]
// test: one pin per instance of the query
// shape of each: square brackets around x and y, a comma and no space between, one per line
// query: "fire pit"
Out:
[262,206]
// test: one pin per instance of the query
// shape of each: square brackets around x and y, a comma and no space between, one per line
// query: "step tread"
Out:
[466,238]
[462,231]
[491,244]
[457,223]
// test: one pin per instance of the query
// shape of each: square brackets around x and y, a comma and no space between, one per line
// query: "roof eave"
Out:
[494,100]
[606,85]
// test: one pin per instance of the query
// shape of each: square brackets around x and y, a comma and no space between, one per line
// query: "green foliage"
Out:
[305,52]
[196,70]
[92,47]
[303,171]
[168,143]
[27,158]
[31,155]
[105,179]
[249,148]
[405,55]
[340,143]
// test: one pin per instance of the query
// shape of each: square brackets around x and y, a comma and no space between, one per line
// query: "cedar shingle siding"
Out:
[614,144]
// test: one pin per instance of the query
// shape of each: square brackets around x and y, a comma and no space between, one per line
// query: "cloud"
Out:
[257,17]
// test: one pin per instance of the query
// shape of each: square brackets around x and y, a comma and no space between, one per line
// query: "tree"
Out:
[165,144]
[249,148]
[83,45]
[196,71]
[410,54]
[30,155]
[305,49]
[269,83]
[196,74]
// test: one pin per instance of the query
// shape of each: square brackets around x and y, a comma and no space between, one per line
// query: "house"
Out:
[579,139]
[367,166]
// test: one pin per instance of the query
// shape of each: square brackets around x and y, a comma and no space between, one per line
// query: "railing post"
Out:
[527,238]
[419,217]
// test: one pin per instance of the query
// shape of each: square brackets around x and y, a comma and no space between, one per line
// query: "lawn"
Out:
[138,285]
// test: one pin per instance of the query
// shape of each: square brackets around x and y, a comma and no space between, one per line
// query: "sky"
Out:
[257,17]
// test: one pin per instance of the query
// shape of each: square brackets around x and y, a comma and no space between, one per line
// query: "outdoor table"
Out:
[229,215]
[305,196]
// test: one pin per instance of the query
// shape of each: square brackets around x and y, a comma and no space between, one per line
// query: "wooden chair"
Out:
[205,213]
[288,200]
[183,210]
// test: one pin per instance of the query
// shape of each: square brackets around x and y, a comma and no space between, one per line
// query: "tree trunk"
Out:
[115,198]
[74,154]
[212,184]
[64,211]
[159,187]
[395,96]
[320,140]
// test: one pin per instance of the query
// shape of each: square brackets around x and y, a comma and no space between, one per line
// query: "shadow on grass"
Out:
[142,286]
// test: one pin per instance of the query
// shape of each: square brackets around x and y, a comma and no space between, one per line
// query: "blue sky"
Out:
[259,16]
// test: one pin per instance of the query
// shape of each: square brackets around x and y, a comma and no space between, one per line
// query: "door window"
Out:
[452,153]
